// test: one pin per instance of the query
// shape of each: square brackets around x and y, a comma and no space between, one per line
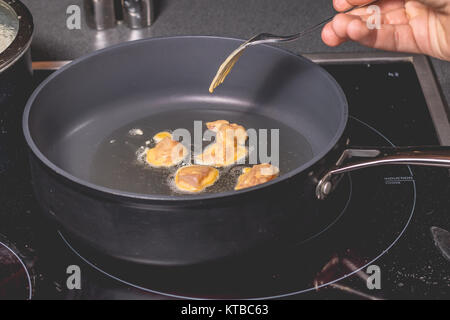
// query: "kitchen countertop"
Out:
[229,18]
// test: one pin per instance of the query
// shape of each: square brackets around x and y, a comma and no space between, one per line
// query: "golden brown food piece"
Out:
[232,133]
[228,131]
[166,153]
[215,125]
[221,155]
[256,175]
[195,178]
[161,135]
[229,147]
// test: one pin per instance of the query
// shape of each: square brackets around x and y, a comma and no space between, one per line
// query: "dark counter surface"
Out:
[230,18]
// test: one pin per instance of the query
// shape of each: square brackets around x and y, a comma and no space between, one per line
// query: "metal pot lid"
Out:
[16,29]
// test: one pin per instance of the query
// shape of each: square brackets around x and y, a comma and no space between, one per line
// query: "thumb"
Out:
[343,5]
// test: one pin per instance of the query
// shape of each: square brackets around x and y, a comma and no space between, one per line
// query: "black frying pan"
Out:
[84,162]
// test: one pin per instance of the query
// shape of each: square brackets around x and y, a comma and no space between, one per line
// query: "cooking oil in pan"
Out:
[120,164]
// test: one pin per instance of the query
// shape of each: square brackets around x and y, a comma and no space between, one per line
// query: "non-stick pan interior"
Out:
[79,120]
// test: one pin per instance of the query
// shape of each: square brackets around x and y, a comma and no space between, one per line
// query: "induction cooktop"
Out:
[388,239]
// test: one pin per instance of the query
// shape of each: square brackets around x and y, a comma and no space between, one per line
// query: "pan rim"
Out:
[182,197]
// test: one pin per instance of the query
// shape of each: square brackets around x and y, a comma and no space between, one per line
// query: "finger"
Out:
[330,37]
[357,30]
[396,16]
[415,9]
[385,6]
[438,5]
[340,24]
[428,42]
[388,37]
[343,5]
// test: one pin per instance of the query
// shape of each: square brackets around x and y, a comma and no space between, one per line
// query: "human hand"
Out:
[417,26]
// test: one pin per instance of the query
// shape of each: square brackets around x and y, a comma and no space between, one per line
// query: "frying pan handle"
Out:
[359,158]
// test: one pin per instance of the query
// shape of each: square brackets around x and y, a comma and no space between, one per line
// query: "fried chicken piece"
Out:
[166,153]
[229,146]
[226,131]
[221,155]
[195,178]
[215,125]
[231,133]
[161,135]
[257,175]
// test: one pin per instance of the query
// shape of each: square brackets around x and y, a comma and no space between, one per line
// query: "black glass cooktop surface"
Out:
[391,219]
